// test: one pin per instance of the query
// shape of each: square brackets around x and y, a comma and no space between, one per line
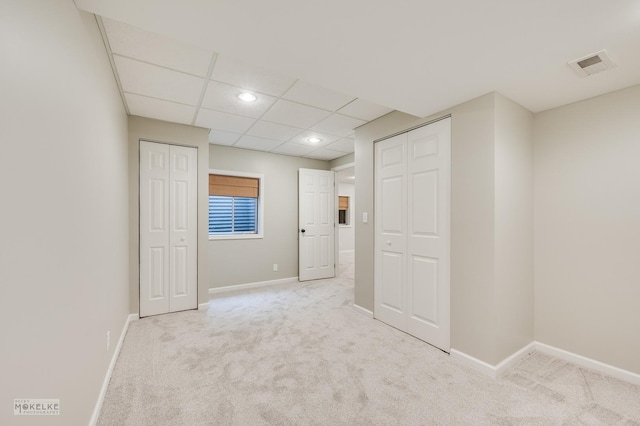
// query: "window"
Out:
[235,205]
[343,210]
[232,215]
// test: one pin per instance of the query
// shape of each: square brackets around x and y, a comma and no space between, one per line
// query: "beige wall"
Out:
[587,228]
[341,161]
[514,292]
[64,219]
[472,228]
[482,134]
[178,134]
[233,262]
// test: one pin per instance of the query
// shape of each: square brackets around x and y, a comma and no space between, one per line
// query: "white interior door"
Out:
[316,231]
[154,228]
[183,223]
[168,228]
[428,253]
[391,231]
[413,232]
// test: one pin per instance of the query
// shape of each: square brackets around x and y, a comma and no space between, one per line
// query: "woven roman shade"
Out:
[233,186]
[343,203]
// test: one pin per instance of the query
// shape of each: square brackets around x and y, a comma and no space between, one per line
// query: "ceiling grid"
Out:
[170,80]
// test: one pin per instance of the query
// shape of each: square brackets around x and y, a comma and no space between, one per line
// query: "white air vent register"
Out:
[592,64]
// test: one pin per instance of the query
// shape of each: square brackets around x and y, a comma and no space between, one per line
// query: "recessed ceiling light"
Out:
[314,139]
[247,97]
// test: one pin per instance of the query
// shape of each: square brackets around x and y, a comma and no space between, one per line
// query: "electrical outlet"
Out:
[108,340]
[275,267]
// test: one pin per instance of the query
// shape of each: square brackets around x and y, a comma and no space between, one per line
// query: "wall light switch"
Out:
[365,217]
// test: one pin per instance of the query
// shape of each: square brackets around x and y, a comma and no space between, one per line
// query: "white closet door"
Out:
[154,228]
[168,228]
[316,215]
[391,231]
[183,223]
[429,188]
[412,239]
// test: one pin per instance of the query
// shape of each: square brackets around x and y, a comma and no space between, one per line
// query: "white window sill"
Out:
[235,237]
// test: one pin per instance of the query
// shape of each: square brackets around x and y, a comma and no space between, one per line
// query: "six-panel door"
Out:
[168,228]
[412,232]
[316,215]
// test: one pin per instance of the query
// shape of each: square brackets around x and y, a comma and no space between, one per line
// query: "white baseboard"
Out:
[493,371]
[582,361]
[248,286]
[363,311]
[112,364]
[514,358]
[474,363]
[589,363]
[203,306]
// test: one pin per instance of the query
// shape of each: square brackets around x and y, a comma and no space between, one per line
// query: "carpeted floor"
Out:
[298,354]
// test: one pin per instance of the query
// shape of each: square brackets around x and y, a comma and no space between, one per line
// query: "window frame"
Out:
[261,197]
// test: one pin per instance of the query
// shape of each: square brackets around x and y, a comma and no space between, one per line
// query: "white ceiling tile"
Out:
[324,139]
[275,131]
[293,149]
[237,73]
[316,96]
[150,80]
[338,124]
[344,145]
[295,115]
[224,97]
[357,58]
[130,41]
[219,137]
[222,121]
[364,110]
[159,109]
[260,144]
[324,154]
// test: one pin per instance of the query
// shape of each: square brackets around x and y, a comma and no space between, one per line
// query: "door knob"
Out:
[303,230]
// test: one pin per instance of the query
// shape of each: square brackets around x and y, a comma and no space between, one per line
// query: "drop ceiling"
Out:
[175,81]
[415,56]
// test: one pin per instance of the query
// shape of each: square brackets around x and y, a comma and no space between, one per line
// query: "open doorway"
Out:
[345,184]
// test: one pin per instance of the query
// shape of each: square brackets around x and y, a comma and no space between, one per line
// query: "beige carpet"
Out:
[298,354]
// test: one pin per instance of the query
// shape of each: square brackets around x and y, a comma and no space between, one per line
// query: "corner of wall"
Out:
[587,227]
[513,186]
